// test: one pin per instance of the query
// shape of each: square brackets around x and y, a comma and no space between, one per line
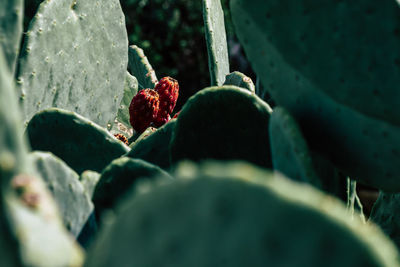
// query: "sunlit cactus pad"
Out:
[74,57]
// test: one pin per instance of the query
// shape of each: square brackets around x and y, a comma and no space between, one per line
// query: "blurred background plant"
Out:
[171,33]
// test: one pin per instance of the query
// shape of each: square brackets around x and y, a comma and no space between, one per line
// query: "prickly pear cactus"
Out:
[289,150]
[204,219]
[12,160]
[30,223]
[130,90]
[155,148]
[82,144]
[140,67]
[75,57]
[327,63]
[225,122]
[217,47]
[385,213]
[137,137]
[89,180]
[239,79]
[11,16]
[332,179]
[74,204]
[291,156]
[119,179]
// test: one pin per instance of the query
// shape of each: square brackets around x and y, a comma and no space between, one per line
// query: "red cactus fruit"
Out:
[143,109]
[168,90]
[161,119]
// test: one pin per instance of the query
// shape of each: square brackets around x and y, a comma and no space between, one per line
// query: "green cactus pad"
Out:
[239,79]
[217,47]
[155,148]
[75,57]
[82,144]
[226,122]
[120,178]
[89,232]
[291,156]
[137,137]
[12,159]
[237,215]
[130,90]
[74,204]
[289,150]
[89,180]
[322,61]
[11,16]
[332,179]
[30,225]
[385,213]
[140,67]
[333,47]
[38,228]
[13,148]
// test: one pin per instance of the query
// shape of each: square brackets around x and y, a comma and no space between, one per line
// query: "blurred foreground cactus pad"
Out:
[234,214]
[31,232]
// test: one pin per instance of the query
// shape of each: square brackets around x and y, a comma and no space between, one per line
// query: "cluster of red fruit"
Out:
[153,107]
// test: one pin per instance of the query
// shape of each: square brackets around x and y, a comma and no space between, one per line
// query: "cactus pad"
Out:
[289,150]
[217,47]
[324,62]
[239,79]
[385,213]
[89,180]
[130,90]
[137,137]
[237,215]
[75,57]
[30,223]
[11,16]
[140,67]
[155,147]
[74,204]
[226,122]
[119,179]
[82,144]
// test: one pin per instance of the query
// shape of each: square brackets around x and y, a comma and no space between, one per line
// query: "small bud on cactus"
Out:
[143,109]
[176,114]
[122,138]
[168,91]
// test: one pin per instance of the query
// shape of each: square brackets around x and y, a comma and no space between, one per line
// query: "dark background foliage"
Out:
[171,32]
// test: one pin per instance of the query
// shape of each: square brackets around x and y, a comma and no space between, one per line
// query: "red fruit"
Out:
[143,109]
[168,91]
[161,120]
